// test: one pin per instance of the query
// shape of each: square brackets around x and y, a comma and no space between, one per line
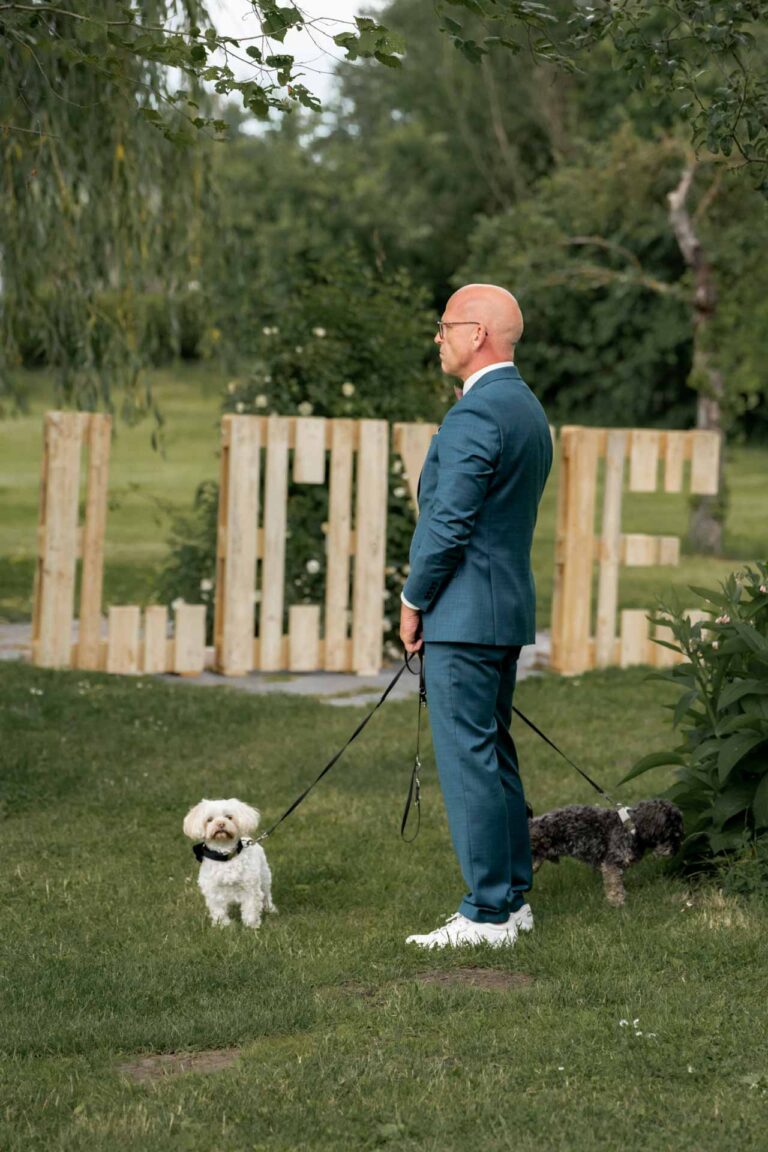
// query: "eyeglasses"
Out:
[443,324]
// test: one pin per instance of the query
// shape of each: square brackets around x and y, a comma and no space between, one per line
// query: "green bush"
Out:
[722,764]
[189,571]
[351,342]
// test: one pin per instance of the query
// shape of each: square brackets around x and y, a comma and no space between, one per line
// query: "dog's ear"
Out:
[194,821]
[247,818]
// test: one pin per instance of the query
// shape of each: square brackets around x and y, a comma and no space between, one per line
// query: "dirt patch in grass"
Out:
[149,1068]
[489,979]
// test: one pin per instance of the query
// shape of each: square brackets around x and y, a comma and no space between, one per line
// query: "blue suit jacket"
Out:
[483,476]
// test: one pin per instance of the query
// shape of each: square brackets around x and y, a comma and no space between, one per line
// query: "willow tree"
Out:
[107,111]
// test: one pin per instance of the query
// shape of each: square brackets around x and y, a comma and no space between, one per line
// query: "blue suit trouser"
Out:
[469,697]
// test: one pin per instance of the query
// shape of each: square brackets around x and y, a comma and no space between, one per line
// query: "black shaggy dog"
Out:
[598,838]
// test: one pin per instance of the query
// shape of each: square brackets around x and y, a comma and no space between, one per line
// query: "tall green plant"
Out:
[722,712]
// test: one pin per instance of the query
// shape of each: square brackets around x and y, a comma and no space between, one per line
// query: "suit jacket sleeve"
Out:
[469,446]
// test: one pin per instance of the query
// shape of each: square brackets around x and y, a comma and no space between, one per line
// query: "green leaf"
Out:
[277,21]
[654,760]
[683,705]
[389,61]
[738,688]
[705,749]
[731,801]
[473,6]
[734,749]
[760,803]
[725,841]
[751,637]
[745,722]
[473,51]
[718,598]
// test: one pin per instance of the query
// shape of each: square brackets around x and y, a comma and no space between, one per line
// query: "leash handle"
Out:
[414,788]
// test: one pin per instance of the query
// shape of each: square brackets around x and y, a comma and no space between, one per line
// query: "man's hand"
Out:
[410,629]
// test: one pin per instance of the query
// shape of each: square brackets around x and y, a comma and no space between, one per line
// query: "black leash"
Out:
[624,813]
[414,788]
[343,749]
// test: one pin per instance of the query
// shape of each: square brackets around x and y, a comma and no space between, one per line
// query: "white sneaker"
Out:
[459,931]
[523,918]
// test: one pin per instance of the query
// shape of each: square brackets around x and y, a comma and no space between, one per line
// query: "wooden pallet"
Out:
[259,452]
[61,542]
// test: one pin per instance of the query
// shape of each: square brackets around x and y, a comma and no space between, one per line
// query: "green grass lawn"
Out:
[144,484]
[346,1039]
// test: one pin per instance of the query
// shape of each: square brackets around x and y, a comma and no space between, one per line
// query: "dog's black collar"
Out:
[203,852]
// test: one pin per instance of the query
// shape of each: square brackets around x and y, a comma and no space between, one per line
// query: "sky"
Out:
[315,50]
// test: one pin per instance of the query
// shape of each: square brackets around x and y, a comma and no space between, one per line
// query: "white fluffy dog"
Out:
[233,869]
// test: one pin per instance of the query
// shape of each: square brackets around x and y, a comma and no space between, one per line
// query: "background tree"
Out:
[99,212]
[708,59]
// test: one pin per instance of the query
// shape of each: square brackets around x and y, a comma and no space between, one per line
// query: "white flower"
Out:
[319,332]
[177,603]
[261,401]
[348,388]
[267,379]
[267,331]
[399,492]
[299,349]
[232,386]
[36,692]
[723,620]
[239,407]
[206,585]
[623,1023]
[397,467]
[635,1023]
[313,567]
[690,1068]
[715,644]
[763,589]
[193,286]
[561,1067]
[305,408]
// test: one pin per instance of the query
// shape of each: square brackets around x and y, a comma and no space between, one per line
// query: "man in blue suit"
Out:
[469,600]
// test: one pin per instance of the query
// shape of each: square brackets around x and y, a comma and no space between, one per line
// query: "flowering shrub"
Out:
[350,342]
[722,712]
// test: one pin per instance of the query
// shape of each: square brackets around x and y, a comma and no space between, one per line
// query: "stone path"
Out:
[337,688]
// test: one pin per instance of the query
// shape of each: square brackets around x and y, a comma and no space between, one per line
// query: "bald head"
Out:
[498,327]
[496,309]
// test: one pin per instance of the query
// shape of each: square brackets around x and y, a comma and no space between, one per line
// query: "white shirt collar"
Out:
[473,379]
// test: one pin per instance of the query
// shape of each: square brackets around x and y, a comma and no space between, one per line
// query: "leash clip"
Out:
[625,815]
